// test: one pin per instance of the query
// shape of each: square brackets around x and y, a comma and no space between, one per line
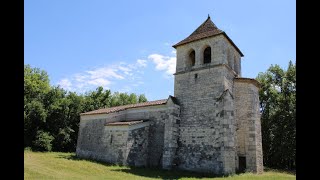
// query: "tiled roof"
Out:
[206,29]
[124,123]
[121,108]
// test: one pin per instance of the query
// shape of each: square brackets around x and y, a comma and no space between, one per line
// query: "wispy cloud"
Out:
[105,72]
[122,76]
[65,83]
[104,76]
[99,82]
[164,63]
[142,63]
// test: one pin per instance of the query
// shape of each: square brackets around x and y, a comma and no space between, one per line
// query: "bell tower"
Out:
[207,63]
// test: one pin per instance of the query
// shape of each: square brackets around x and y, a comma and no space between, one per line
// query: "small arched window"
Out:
[192,58]
[207,55]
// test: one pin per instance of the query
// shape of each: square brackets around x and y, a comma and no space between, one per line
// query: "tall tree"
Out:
[278,116]
[36,85]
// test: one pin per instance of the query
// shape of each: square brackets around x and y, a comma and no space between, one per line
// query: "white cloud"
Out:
[121,76]
[142,63]
[173,52]
[105,72]
[164,63]
[80,78]
[65,84]
[124,69]
[99,82]
[106,77]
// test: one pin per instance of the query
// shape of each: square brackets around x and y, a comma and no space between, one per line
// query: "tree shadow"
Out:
[150,172]
[76,158]
[165,174]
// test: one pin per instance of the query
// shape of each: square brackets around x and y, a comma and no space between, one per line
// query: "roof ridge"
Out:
[124,107]
[206,29]
[206,22]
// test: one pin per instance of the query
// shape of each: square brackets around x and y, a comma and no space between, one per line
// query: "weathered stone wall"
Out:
[137,147]
[94,137]
[222,51]
[204,92]
[200,138]
[156,116]
[171,136]
[248,134]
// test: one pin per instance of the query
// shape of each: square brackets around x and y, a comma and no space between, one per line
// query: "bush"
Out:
[27,149]
[63,141]
[43,141]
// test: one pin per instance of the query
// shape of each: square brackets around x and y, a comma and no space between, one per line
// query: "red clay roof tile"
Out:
[124,107]
[206,29]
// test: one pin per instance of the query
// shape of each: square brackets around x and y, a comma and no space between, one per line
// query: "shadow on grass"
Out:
[146,172]
[286,171]
[164,174]
[75,158]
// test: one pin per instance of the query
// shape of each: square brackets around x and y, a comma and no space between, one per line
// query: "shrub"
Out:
[27,149]
[43,141]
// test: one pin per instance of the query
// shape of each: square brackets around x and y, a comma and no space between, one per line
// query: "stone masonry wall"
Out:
[115,141]
[137,147]
[220,47]
[94,137]
[200,141]
[156,116]
[228,149]
[248,134]
[171,136]
[206,142]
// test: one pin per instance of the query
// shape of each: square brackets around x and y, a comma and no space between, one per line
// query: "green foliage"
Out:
[43,141]
[142,98]
[26,149]
[36,83]
[278,116]
[55,111]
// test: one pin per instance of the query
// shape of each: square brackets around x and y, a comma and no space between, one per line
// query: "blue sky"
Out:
[126,46]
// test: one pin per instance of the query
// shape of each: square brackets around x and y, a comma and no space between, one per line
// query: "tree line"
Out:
[278,116]
[52,114]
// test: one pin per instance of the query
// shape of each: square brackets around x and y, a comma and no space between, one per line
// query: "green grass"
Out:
[57,165]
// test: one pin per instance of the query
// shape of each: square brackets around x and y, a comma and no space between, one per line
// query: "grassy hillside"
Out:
[56,165]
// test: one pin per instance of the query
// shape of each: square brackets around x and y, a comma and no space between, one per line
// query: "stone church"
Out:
[211,124]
